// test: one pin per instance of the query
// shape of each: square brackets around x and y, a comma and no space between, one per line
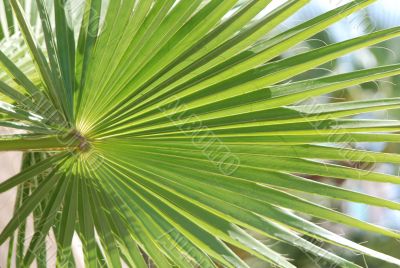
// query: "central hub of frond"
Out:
[84,144]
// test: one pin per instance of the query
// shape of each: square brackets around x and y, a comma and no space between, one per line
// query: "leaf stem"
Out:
[39,142]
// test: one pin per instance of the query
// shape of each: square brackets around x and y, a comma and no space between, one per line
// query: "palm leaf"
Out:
[171,133]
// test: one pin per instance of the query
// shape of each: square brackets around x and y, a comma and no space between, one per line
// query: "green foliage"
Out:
[169,132]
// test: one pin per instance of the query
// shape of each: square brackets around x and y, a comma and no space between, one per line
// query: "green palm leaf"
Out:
[170,133]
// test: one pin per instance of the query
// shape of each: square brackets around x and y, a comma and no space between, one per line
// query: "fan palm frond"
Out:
[170,132]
